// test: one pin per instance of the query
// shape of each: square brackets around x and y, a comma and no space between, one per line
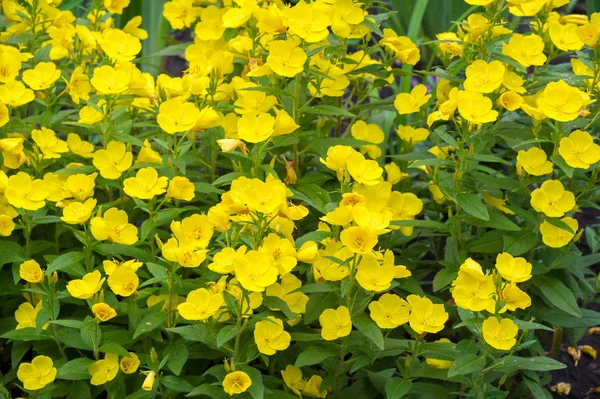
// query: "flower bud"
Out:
[307,252]
[149,381]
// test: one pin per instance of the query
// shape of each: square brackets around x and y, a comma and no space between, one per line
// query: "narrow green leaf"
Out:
[558,294]
[465,365]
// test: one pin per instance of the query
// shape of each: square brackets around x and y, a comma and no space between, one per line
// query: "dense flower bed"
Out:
[292,217]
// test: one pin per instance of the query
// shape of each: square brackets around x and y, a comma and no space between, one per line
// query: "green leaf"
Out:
[274,302]
[535,363]
[120,250]
[226,334]
[212,391]
[443,278]
[66,262]
[491,242]
[75,370]
[257,389]
[316,236]
[111,347]
[425,224]
[176,384]
[317,304]
[395,388]
[316,287]
[473,205]
[26,334]
[206,188]
[11,252]
[178,356]
[518,243]
[328,110]
[557,294]
[314,354]
[528,325]
[466,365]
[559,318]
[78,324]
[149,323]
[369,329]
[497,221]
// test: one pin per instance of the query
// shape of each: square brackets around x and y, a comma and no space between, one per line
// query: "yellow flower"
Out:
[556,237]
[42,76]
[286,58]
[282,252]
[526,50]
[497,203]
[89,115]
[579,150]
[181,188]
[514,298]
[484,77]
[404,206]
[389,311]
[371,133]
[176,116]
[255,128]
[403,48]
[345,14]
[510,100]
[87,286]
[148,155]
[15,94]
[475,107]
[224,260]
[374,221]
[116,6]
[359,240]
[479,3]
[10,65]
[565,36]
[77,212]
[26,315]
[114,226]
[103,312]
[284,123]
[472,289]
[292,377]
[129,365]
[123,281]
[425,316]
[367,172]
[412,135]
[588,34]
[406,103]
[107,80]
[146,184]
[180,13]
[200,304]
[47,141]
[309,21]
[394,174]
[113,160]
[24,192]
[37,374]
[500,335]
[295,300]
[560,101]
[6,225]
[449,44]
[31,272]
[439,363]
[256,271]
[104,370]
[270,336]
[81,186]
[552,199]
[148,383]
[80,147]
[337,159]
[335,323]
[373,277]
[534,161]
[515,270]
[120,46]
[111,265]
[236,382]
[313,386]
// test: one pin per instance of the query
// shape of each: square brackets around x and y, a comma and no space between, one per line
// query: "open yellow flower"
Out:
[256,271]
[335,323]
[113,161]
[31,272]
[146,184]
[130,364]
[403,48]
[389,311]
[123,281]
[26,193]
[406,103]
[425,317]
[286,58]
[484,77]
[200,304]
[119,45]
[37,374]
[513,298]
[373,277]
[114,226]
[552,199]
[270,336]
[359,240]
[181,188]
[104,370]
[255,128]
[292,377]
[86,287]
[475,107]
[103,312]
[42,76]
[107,80]
[176,116]
[534,161]
[77,212]
[26,315]
[516,270]
[579,150]
[474,290]
[236,382]
[286,290]
[500,334]
[556,237]
[560,101]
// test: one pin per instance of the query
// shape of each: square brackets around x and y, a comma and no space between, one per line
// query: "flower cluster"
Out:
[311,209]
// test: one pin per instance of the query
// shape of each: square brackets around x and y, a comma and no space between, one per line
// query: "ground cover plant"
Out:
[309,211]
